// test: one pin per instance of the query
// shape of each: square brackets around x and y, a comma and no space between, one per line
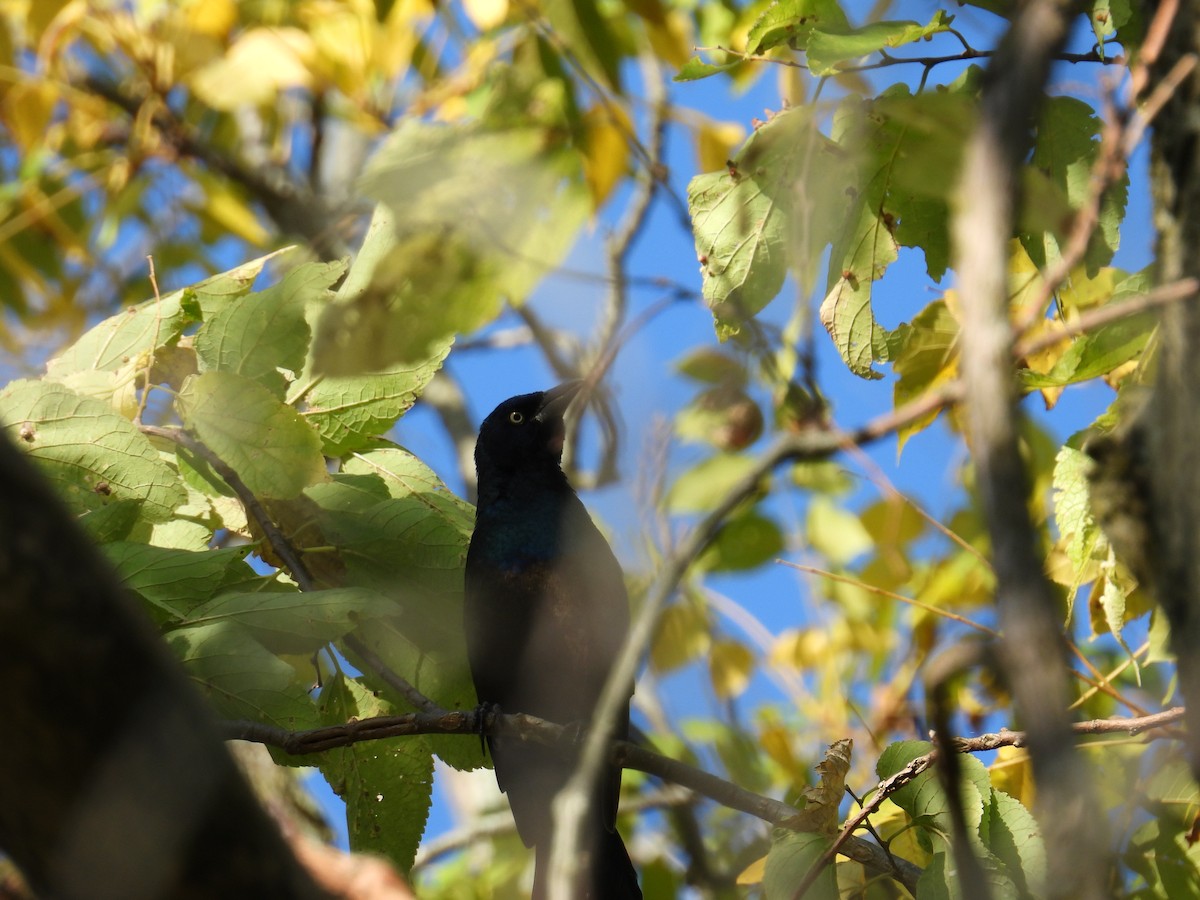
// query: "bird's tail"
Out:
[611,876]
[614,874]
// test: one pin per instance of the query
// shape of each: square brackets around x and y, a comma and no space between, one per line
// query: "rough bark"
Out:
[1169,432]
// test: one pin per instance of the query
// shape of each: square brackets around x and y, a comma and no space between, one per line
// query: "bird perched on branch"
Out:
[545,614]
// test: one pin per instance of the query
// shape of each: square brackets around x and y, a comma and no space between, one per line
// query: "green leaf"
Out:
[701,487]
[92,455]
[696,68]
[1097,353]
[148,326]
[923,798]
[292,621]
[387,784]
[580,25]
[174,582]
[745,541]
[405,476]
[258,335]
[790,859]
[1011,833]
[708,365]
[349,411]
[241,678]
[847,316]
[267,443]
[112,522]
[745,219]
[1073,513]
[404,546]
[1068,141]
[792,22]
[471,216]
[829,47]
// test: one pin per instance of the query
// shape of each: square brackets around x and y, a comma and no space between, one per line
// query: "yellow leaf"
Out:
[800,649]
[232,216]
[41,14]
[681,636]
[894,826]
[753,873]
[27,109]
[671,37]
[730,665]
[1012,773]
[262,62]
[606,150]
[486,14]
[212,18]
[715,142]
[344,40]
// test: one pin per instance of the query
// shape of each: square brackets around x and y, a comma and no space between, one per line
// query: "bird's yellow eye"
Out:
[515,417]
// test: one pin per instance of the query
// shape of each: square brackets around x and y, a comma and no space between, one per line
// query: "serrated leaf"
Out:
[745,219]
[792,22]
[174,582]
[268,444]
[294,621]
[1073,515]
[404,475]
[1012,835]
[257,335]
[923,798]
[349,411]
[150,325]
[1068,141]
[791,858]
[387,784]
[241,678]
[829,47]
[92,455]
[847,315]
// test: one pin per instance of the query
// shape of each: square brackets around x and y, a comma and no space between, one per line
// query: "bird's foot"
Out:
[483,712]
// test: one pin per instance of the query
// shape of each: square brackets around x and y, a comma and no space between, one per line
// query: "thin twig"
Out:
[254,508]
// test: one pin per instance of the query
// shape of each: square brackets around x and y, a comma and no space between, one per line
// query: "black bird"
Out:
[546,613]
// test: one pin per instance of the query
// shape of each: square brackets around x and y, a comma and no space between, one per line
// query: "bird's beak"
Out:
[556,400]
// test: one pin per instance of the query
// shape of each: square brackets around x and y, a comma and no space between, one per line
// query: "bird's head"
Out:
[526,431]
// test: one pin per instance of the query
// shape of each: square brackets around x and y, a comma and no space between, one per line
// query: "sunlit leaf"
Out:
[264,334]
[267,443]
[91,455]
[829,47]
[792,22]
[387,784]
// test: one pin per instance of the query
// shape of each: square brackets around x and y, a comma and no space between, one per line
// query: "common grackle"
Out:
[545,615]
